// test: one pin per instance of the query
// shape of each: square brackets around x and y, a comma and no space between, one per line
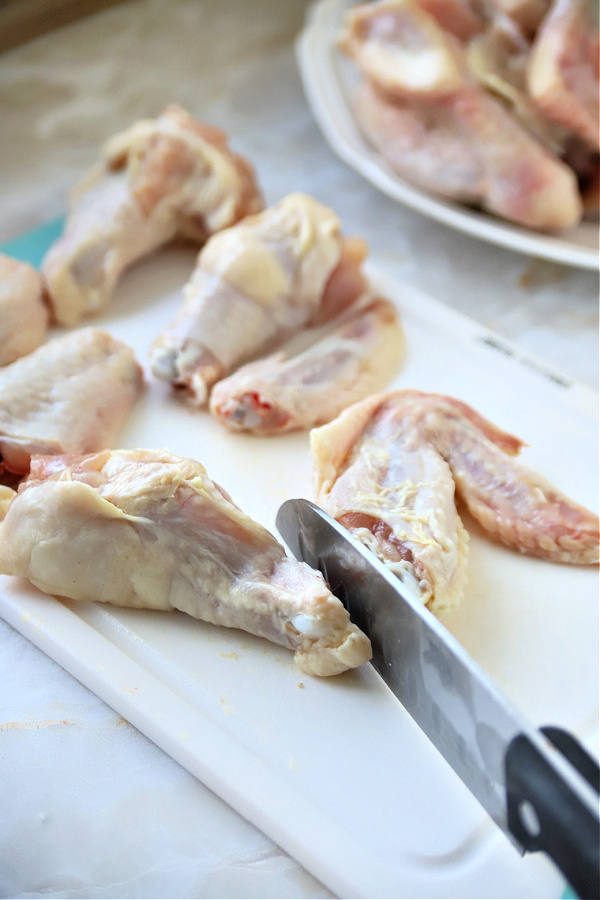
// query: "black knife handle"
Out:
[544,813]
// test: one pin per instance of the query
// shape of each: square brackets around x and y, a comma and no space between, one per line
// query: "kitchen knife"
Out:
[540,786]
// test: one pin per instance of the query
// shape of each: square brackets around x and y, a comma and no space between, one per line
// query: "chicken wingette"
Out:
[284,393]
[71,395]
[392,467]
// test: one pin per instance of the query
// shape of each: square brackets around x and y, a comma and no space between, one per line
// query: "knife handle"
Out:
[546,813]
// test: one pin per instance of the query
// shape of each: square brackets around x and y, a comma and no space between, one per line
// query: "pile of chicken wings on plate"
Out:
[492,103]
[148,529]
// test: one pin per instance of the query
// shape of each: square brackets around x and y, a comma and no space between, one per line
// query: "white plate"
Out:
[327,79]
[334,770]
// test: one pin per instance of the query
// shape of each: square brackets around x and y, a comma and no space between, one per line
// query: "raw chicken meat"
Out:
[527,14]
[452,149]
[7,495]
[563,68]
[400,48]
[159,180]
[283,393]
[439,129]
[377,475]
[23,313]
[459,17]
[388,469]
[72,395]
[145,528]
[497,59]
[254,285]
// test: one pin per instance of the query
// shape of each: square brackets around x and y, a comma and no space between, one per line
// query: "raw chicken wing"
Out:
[452,150]
[497,60]
[23,313]
[388,469]
[458,17]
[255,285]
[401,48]
[563,68]
[528,14]
[377,475]
[440,130]
[161,179]
[148,529]
[72,395]
[514,504]
[282,393]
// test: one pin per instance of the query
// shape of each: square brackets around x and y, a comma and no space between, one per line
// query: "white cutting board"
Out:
[334,770]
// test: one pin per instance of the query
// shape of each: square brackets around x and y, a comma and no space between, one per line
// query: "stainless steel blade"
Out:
[450,697]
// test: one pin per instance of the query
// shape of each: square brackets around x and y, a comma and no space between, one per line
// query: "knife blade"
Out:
[540,786]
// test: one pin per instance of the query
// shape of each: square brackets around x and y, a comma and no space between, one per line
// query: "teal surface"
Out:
[31,246]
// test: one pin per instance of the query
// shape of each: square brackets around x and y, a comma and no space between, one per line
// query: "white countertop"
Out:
[72,767]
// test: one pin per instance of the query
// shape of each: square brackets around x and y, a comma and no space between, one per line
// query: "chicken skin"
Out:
[444,149]
[527,14]
[497,60]
[257,284]
[376,474]
[403,50]
[439,129]
[23,313]
[280,393]
[461,18]
[148,529]
[72,395]
[562,72]
[391,468]
[161,179]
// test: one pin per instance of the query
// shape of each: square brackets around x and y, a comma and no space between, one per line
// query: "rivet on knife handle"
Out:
[544,813]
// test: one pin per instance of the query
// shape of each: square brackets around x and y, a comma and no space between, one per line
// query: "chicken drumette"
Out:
[159,180]
[147,529]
